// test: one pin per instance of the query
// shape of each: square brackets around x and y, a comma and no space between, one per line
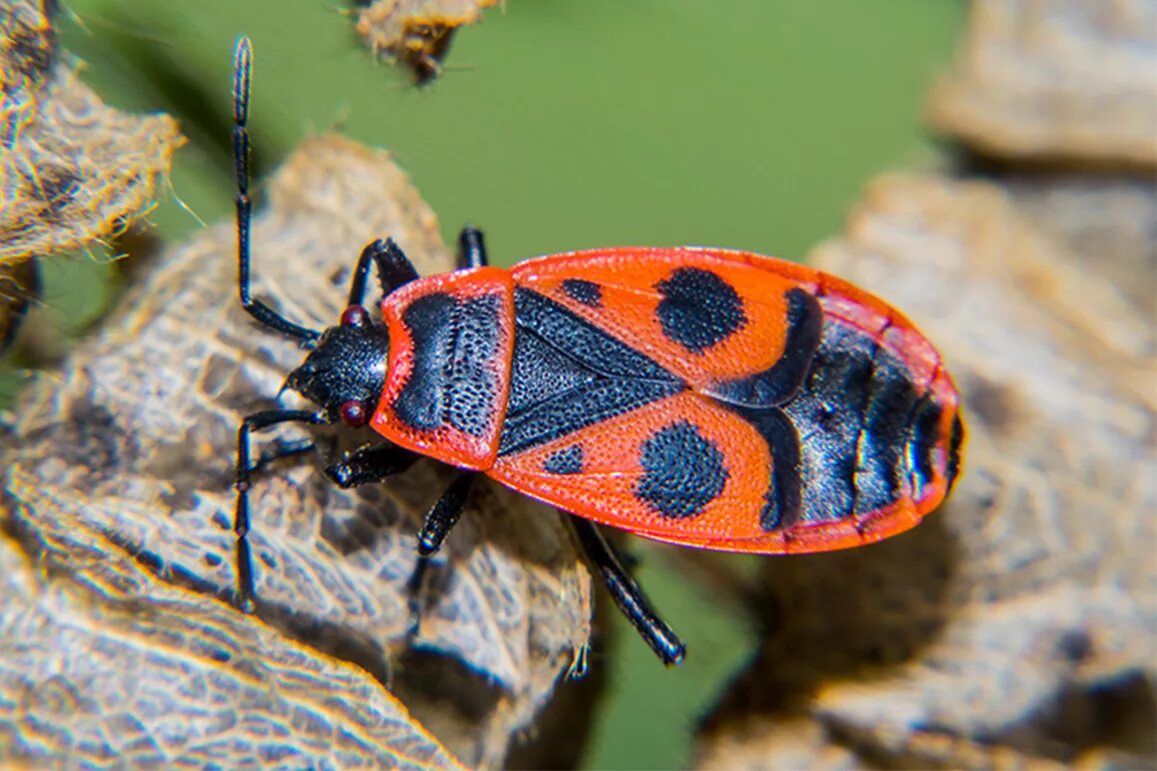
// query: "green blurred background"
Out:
[559,124]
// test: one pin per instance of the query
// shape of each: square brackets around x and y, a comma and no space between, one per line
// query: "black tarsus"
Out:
[242,472]
[266,316]
[472,248]
[627,594]
[394,269]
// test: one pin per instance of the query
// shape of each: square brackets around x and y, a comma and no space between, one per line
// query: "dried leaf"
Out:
[1010,625]
[1059,80]
[1109,221]
[72,170]
[104,663]
[51,198]
[19,287]
[417,32]
[28,53]
[146,414]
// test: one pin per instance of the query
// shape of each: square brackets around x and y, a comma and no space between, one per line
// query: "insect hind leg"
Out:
[627,594]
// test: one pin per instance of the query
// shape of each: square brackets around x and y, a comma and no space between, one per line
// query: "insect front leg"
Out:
[370,464]
[243,472]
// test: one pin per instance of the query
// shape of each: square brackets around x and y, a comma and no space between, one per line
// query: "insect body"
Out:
[703,397]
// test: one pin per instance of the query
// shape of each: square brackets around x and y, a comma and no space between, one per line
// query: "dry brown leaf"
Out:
[146,413]
[1015,626]
[417,32]
[19,288]
[1056,80]
[1109,221]
[28,53]
[72,170]
[102,663]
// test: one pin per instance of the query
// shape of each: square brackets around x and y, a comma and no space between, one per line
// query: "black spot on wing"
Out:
[583,291]
[698,309]
[782,503]
[683,471]
[777,385]
[568,460]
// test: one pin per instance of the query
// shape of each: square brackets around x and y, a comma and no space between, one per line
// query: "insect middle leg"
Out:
[376,463]
[445,514]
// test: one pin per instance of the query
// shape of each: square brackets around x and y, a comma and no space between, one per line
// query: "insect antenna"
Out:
[266,316]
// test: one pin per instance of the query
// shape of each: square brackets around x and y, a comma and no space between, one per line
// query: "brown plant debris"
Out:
[136,438]
[28,55]
[1109,221]
[19,288]
[102,661]
[71,169]
[417,33]
[1015,626]
[1059,80]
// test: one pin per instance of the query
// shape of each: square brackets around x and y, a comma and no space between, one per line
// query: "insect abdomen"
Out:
[870,436]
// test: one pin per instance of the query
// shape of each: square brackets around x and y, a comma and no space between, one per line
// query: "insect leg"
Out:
[266,316]
[394,269]
[472,248]
[371,464]
[445,514]
[243,470]
[279,451]
[627,594]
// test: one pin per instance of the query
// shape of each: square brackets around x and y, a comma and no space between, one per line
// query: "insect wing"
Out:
[725,323]
[682,468]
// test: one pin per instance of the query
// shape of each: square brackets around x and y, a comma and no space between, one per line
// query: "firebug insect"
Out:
[702,397]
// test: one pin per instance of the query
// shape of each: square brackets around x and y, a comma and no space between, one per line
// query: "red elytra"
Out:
[704,397]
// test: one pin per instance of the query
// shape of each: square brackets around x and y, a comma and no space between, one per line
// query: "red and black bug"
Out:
[703,397]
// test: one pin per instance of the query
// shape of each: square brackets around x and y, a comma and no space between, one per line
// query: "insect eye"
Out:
[354,316]
[353,414]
